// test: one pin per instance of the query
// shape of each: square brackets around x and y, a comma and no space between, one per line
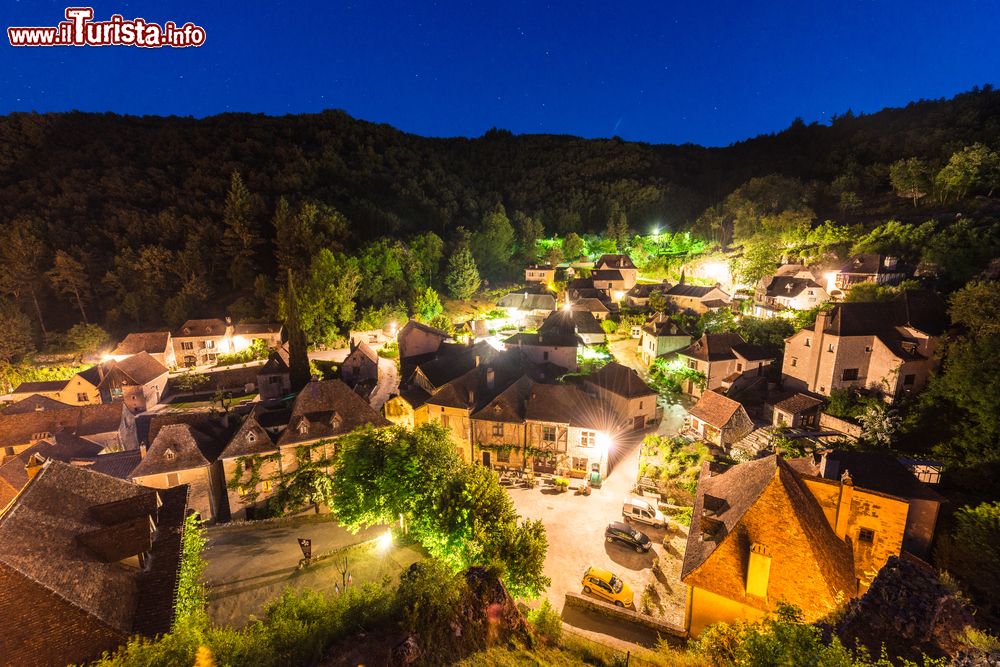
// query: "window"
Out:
[169,455]
[209,344]
[251,437]
[829,348]
[808,342]
[445,421]
[909,380]
[795,362]
[866,535]
[498,430]
[640,405]
[548,434]
[82,397]
[588,439]
[868,349]
[545,356]
[579,463]
[850,374]
[503,456]
[173,479]
[739,368]
[692,364]
[116,392]
[265,486]
[187,346]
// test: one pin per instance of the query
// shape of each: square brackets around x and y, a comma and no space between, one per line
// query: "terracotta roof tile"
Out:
[327,409]
[620,380]
[715,409]
[154,342]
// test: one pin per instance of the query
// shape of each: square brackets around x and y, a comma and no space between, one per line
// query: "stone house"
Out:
[870,268]
[834,537]
[884,347]
[274,377]
[540,273]
[660,336]
[139,381]
[158,344]
[697,299]
[792,287]
[555,343]
[795,410]
[361,365]
[718,420]
[638,296]
[521,306]
[246,332]
[182,454]
[622,388]
[593,306]
[87,562]
[723,359]
[81,389]
[417,340]
[251,462]
[199,342]
[615,273]
[110,425]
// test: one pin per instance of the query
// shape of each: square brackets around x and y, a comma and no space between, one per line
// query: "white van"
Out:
[642,511]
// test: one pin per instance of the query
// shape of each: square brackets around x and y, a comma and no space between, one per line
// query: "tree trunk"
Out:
[38,311]
[79,302]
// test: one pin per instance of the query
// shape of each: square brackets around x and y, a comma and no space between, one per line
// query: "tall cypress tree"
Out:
[298,355]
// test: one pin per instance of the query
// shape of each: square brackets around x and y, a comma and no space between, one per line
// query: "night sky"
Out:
[665,71]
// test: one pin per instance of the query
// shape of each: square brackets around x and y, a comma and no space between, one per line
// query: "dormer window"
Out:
[169,455]
[251,437]
[187,330]
[336,421]
[303,427]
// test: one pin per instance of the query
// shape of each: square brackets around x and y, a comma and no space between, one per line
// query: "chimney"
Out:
[758,571]
[844,505]
[142,451]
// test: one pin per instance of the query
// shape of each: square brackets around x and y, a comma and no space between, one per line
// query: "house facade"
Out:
[631,399]
[158,344]
[139,381]
[697,299]
[722,359]
[199,342]
[361,365]
[81,389]
[718,420]
[176,456]
[417,339]
[870,268]
[540,273]
[556,341]
[110,425]
[884,347]
[274,377]
[792,287]
[661,336]
[628,274]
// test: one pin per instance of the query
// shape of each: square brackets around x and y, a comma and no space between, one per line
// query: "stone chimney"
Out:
[844,505]
[758,571]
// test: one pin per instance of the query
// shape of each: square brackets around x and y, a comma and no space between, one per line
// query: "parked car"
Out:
[638,509]
[608,586]
[627,535]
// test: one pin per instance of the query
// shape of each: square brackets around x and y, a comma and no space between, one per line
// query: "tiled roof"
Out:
[751,352]
[580,284]
[34,403]
[117,464]
[621,380]
[876,471]
[797,403]
[559,329]
[584,322]
[662,325]
[790,286]
[713,347]
[194,328]
[871,264]
[413,324]
[251,328]
[589,305]
[644,290]
[277,362]
[82,420]
[715,409]
[327,409]
[922,310]
[607,274]
[39,539]
[154,342]
[527,301]
[509,405]
[567,404]
[208,423]
[176,447]
[36,387]
[141,368]
[691,291]
[615,262]
[722,501]
[445,368]
[63,447]
[251,438]
[365,350]
[479,385]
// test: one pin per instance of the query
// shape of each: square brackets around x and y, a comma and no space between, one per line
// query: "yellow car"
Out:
[608,586]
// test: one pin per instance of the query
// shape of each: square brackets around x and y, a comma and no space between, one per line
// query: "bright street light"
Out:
[385,541]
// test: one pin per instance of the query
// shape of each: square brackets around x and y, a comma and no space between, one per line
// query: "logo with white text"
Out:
[80,29]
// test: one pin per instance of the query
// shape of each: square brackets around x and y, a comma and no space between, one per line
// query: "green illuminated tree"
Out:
[572,246]
[910,178]
[462,280]
[427,306]
[493,244]
[529,231]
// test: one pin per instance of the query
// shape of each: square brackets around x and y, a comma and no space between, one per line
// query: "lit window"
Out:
[579,463]
[588,439]
[548,433]
[265,486]
[82,398]
[498,430]
[692,364]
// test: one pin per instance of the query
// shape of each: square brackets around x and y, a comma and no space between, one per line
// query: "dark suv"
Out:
[627,535]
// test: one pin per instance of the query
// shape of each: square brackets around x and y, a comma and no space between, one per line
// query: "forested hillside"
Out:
[139,205]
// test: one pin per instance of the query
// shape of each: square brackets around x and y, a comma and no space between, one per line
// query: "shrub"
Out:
[548,625]
[609,326]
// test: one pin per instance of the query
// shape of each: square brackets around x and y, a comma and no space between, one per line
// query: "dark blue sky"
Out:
[665,71]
